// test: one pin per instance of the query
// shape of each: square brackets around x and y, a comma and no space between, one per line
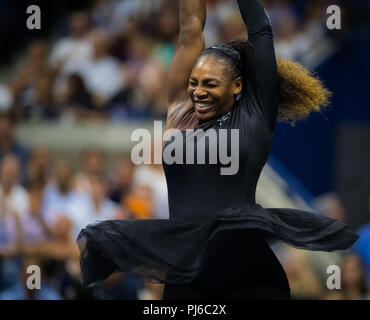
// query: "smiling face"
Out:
[212,87]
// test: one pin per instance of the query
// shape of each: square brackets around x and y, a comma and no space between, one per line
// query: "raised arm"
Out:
[189,47]
[261,60]
[254,15]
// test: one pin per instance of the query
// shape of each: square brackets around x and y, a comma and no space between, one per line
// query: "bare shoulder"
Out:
[176,112]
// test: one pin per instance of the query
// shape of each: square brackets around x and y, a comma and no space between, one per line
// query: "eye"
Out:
[211,85]
[193,83]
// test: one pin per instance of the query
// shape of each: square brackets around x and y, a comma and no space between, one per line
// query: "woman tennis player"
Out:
[215,243]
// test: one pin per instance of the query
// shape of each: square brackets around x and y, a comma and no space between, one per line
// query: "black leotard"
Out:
[215,237]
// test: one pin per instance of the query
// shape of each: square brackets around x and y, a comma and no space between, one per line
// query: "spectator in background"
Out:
[77,101]
[101,207]
[113,15]
[166,28]
[76,45]
[232,28]
[19,290]
[139,202]
[67,54]
[27,82]
[36,194]
[17,223]
[123,179]
[218,14]
[149,88]
[142,70]
[6,97]
[353,275]
[43,105]
[328,204]
[152,176]
[61,200]
[93,164]
[353,280]
[290,42]
[38,170]
[61,246]
[102,74]
[303,281]
[8,143]
[136,199]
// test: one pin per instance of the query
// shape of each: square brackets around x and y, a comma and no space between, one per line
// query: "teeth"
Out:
[203,105]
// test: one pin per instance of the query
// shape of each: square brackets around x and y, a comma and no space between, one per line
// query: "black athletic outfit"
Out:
[214,244]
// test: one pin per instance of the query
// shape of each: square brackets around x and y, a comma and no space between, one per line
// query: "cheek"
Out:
[188,90]
[224,95]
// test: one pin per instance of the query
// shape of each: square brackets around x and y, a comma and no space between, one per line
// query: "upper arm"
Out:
[261,60]
[262,72]
[190,45]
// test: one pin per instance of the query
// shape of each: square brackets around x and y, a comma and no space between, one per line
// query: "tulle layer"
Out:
[175,251]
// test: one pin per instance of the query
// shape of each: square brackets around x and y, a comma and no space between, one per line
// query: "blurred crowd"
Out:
[110,64]
[45,202]
[110,61]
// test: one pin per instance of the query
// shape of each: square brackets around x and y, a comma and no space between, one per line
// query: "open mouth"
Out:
[203,107]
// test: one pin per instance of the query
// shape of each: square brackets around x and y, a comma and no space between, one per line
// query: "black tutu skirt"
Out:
[175,251]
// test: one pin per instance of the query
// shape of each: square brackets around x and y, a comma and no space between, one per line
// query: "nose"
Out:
[200,94]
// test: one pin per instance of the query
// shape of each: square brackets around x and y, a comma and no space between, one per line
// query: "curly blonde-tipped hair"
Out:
[301,92]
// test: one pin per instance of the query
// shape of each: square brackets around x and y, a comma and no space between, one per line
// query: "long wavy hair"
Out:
[301,92]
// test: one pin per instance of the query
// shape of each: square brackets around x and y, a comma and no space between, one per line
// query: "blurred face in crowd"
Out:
[37,52]
[93,161]
[40,159]
[150,80]
[63,175]
[333,207]
[140,47]
[9,171]
[352,271]
[79,24]
[6,128]
[167,24]
[211,88]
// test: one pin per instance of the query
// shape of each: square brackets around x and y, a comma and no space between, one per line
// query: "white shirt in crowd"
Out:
[18,200]
[144,175]
[69,49]
[77,207]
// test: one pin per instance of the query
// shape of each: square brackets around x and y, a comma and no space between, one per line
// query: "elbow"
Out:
[192,28]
